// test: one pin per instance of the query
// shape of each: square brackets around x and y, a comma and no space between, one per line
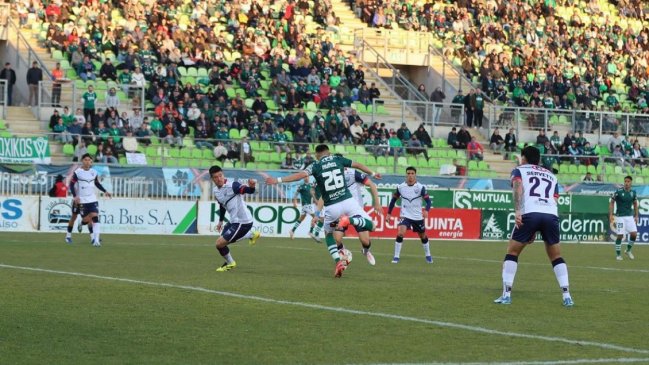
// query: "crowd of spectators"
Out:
[563,54]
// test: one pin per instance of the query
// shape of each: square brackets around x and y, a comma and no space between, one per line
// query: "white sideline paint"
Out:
[545,362]
[601,345]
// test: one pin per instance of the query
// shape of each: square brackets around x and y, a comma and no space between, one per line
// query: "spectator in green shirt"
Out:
[89,98]
[125,80]
[281,140]
[396,147]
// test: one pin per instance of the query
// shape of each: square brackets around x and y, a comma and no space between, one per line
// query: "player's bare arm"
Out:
[290,178]
[365,169]
[611,205]
[636,215]
[517,186]
[375,197]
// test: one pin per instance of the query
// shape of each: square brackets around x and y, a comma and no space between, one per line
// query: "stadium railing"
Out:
[3,98]
[435,57]
[430,113]
[598,124]
[25,54]
[71,91]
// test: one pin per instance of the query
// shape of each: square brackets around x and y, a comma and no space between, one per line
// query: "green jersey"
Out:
[304,191]
[316,191]
[624,202]
[89,100]
[329,174]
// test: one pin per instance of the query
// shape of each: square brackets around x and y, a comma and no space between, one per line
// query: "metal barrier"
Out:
[22,48]
[59,93]
[436,60]
[3,98]
[429,113]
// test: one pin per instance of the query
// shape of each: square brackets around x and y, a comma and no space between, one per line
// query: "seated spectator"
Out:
[463,137]
[451,139]
[54,119]
[288,162]
[281,140]
[86,70]
[423,136]
[588,150]
[300,141]
[404,133]
[79,151]
[220,151]
[475,150]
[415,147]
[497,143]
[588,178]
[108,71]
[615,140]
[382,146]
[574,152]
[396,146]
[109,154]
[129,143]
[356,131]
[638,155]
[510,142]
[143,134]
[61,132]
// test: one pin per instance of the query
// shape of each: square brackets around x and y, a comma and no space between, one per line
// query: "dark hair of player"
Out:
[321,148]
[628,177]
[86,155]
[215,169]
[411,168]
[532,155]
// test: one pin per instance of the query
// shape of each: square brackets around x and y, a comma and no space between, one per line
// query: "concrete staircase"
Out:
[21,122]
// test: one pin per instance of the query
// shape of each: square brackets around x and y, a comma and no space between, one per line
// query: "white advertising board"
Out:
[18,214]
[125,216]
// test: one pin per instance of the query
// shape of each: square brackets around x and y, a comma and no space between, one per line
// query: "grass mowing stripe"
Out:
[547,362]
[477,329]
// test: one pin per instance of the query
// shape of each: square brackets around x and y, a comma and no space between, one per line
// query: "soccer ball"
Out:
[345,255]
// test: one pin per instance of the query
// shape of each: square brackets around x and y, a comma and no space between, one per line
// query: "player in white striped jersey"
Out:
[356,182]
[535,204]
[82,185]
[229,194]
[412,195]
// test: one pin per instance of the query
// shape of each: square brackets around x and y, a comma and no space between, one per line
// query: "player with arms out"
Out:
[412,194]
[625,219]
[306,192]
[535,193]
[229,195]
[82,185]
[340,208]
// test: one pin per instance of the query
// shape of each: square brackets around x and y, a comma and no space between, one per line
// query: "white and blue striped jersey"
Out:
[412,197]
[83,185]
[355,181]
[230,197]
[540,189]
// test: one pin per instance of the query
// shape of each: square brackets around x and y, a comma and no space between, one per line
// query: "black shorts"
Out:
[547,224]
[76,209]
[88,208]
[415,226]
[232,232]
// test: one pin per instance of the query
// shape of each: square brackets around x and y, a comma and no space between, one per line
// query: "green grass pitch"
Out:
[157,300]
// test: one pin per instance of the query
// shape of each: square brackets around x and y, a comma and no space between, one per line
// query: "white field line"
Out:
[542,362]
[602,345]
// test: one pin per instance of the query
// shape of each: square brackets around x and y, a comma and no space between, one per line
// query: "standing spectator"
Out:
[112,101]
[437,96]
[475,150]
[246,149]
[57,78]
[497,143]
[456,111]
[59,189]
[89,98]
[9,75]
[469,109]
[477,106]
[34,76]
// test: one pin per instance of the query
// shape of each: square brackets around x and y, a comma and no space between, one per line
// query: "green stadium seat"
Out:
[68,149]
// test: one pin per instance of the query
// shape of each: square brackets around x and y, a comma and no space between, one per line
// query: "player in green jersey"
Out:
[341,209]
[306,194]
[625,219]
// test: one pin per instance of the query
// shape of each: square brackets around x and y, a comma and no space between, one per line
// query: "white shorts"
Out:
[348,207]
[307,209]
[624,225]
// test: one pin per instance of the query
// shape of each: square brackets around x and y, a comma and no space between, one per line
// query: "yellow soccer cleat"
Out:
[226,267]
[253,240]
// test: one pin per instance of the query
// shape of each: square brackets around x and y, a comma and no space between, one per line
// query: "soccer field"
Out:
[157,300]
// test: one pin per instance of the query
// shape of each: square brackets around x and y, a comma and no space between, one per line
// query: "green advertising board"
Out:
[574,227]
[25,150]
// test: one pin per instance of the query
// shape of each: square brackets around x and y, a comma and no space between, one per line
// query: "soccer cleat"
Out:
[630,255]
[619,258]
[96,243]
[567,302]
[429,259]
[503,300]
[291,233]
[340,267]
[370,258]
[253,240]
[315,238]
[226,267]
[68,239]
[395,260]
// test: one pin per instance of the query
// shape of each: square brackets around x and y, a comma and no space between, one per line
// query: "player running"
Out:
[535,205]
[625,219]
[229,194]
[341,209]
[306,192]
[82,185]
[412,195]
[356,181]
